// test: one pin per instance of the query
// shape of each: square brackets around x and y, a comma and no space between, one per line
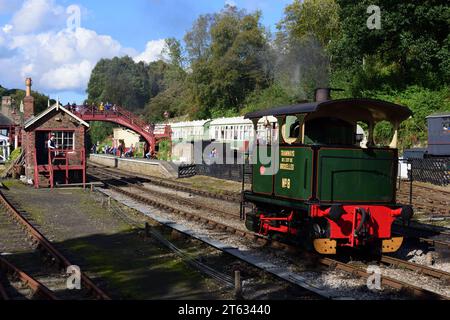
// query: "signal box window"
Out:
[65,140]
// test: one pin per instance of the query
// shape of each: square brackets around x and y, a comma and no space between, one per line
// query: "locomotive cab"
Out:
[316,183]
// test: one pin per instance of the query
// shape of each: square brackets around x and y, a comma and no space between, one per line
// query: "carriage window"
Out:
[446,125]
[247,130]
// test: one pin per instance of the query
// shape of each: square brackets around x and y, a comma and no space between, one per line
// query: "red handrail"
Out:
[134,122]
[62,154]
[36,170]
[111,113]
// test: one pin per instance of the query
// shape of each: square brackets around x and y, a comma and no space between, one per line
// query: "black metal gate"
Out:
[222,171]
[231,172]
[431,170]
[186,171]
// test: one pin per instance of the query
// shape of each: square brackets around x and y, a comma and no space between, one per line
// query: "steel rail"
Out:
[48,247]
[227,195]
[416,291]
[391,282]
[422,269]
[188,202]
[187,258]
[36,287]
[120,176]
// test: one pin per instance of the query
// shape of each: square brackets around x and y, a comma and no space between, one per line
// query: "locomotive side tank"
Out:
[316,184]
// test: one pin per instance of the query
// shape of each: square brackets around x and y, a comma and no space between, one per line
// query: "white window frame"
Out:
[60,141]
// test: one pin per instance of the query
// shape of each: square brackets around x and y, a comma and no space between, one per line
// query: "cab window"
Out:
[291,129]
[329,131]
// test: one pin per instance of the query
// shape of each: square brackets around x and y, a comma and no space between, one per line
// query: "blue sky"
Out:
[34,42]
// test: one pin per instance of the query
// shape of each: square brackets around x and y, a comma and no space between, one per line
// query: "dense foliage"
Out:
[120,81]
[229,64]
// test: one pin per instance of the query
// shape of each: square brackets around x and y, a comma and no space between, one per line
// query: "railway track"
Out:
[439,206]
[426,199]
[169,194]
[180,186]
[417,231]
[418,268]
[21,285]
[267,243]
[27,254]
[436,237]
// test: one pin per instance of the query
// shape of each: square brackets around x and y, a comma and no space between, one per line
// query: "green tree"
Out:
[2,91]
[100,131]
[302,46]
[40,100]
[168,78]
[412,46]
[156,77]
[120,81]
[226,51]
[198,39]
[311,18]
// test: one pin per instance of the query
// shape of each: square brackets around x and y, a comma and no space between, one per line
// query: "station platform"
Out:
[137,165]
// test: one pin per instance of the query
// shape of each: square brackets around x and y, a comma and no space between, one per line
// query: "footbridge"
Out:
[126,119]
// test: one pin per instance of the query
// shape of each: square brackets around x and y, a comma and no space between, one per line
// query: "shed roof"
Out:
[439,115]
[5,121]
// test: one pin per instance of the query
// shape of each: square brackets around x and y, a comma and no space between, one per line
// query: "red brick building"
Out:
[10,121]
[65,164]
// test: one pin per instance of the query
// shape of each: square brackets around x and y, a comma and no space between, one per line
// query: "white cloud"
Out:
[152,52]
[7,28]
[57,60]
[38,15]
[36,43]
[68,76]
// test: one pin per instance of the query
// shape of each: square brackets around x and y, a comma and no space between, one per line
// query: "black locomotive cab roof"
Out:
[369,110]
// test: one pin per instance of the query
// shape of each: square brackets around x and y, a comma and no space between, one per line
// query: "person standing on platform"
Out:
[121,149]
[52,146]
[146,149]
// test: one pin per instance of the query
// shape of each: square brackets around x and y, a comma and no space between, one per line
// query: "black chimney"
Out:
[322,94]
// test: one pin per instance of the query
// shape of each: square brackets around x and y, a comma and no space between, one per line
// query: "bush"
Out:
[14,155]
[164,150]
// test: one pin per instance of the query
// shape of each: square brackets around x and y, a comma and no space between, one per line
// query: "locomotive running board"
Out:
[392,244]
[325,246]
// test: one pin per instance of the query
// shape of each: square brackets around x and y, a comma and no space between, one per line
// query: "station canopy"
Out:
[367,110]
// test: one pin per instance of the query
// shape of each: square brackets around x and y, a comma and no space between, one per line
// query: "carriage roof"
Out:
[196,123]
[237,121]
